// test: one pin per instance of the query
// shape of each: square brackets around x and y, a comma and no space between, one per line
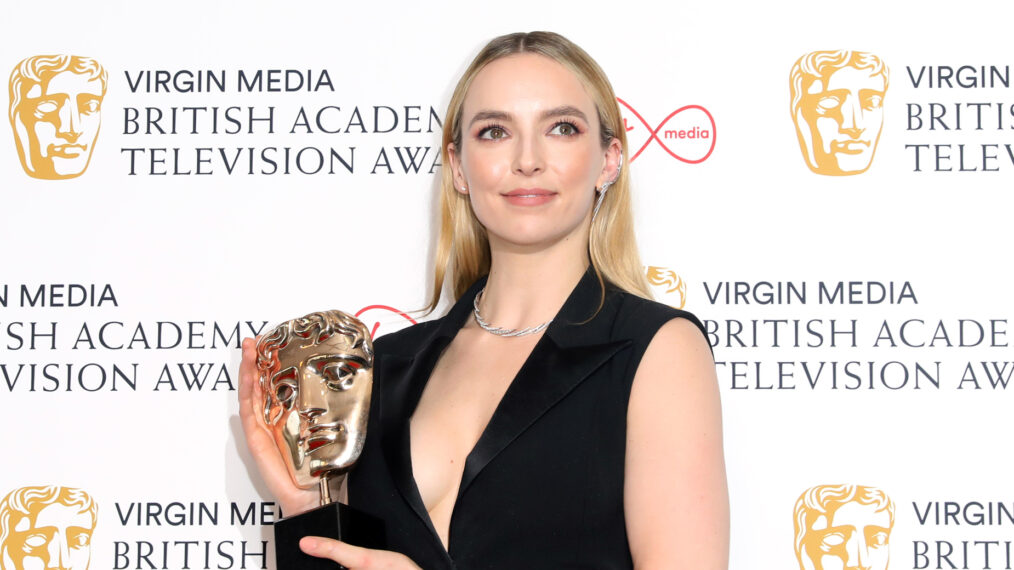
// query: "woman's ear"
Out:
[456,172]
[611,166]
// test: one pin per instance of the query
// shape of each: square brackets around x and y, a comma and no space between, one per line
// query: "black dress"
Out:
[543,487]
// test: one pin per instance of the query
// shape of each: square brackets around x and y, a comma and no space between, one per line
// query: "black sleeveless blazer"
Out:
[543,487]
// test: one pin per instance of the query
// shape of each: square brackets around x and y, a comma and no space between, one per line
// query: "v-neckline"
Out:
[571,348]
[471,452]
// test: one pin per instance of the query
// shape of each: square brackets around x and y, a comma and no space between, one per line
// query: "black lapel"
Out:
[572,348]
[405,374]
[398,370]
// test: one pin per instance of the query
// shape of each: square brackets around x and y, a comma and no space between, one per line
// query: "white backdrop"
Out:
[218,248]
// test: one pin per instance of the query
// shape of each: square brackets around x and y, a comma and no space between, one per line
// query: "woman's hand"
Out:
[354,557]
[292,499]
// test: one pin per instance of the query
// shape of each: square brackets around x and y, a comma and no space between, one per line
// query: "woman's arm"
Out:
[675,494]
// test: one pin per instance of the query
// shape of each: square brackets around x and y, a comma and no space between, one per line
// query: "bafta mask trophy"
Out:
[316,376]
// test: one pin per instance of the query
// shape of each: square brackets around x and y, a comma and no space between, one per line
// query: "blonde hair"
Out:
[462,246]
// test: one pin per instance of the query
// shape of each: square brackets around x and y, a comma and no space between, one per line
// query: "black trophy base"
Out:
[335,520]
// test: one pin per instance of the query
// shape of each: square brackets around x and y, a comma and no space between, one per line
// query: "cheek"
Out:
[486,167]
[874,117]
[79,556]
[576,168]
[90,123]
[827,126]
[44,131]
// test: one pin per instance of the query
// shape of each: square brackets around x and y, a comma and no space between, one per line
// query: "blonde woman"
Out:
[555,417]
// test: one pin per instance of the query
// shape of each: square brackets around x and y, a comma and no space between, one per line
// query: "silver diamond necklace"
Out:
[500,331]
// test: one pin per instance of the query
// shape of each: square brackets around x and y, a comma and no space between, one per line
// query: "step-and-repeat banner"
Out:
[827,186]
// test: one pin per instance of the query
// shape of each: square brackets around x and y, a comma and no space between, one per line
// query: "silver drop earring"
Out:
[605,186]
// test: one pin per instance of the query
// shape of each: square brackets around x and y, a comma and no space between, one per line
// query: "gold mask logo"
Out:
[46,527]
[838,108]
[843,526]
[55,112]
[667,283]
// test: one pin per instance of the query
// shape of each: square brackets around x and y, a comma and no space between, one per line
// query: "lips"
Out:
[66,150]
[529,196]
[850,147]
[320,436]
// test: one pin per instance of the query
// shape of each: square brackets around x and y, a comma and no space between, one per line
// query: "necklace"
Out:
[499,331]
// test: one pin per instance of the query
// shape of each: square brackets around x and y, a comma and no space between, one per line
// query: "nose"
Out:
[857,553]
[851,116]
[528,156]
[70,122]
[310,402]
[59,554]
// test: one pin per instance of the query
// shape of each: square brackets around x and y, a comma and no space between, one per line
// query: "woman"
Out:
[554,417]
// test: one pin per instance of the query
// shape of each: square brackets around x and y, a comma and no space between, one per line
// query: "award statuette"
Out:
[316,376]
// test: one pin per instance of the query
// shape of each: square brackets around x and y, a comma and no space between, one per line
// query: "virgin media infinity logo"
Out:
[391,318]
[687,134]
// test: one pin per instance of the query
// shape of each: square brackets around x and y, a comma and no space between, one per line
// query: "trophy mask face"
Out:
[57,123]
[318,404]
[852,536]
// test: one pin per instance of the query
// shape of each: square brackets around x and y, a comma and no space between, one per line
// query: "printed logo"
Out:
[687,134]
[55,112]
[392,319]
[842,527]
[46,527]
[668,286]
[838,109]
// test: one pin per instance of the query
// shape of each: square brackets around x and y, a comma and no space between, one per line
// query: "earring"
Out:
[605,186]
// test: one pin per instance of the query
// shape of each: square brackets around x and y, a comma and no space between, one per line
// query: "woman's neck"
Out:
[527,289]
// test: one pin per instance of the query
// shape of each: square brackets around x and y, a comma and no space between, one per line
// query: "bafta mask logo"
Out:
[838,108]
[55,112]
[317,377]
[843,527]
[668,285]
[46,527]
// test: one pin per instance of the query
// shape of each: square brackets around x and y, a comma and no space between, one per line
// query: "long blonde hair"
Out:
[463,247]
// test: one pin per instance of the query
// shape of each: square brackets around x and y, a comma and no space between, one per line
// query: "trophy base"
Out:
[335,520]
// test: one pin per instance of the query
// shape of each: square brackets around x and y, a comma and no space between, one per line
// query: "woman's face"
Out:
[530,154]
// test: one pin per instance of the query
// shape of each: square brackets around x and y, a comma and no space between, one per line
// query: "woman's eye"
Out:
[565,129]
[492,133]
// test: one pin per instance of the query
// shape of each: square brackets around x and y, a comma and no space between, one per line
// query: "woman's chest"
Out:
[461,395]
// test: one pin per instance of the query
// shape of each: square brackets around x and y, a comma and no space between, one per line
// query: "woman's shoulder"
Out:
[636,314]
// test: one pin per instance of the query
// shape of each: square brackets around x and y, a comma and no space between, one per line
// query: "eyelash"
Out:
[488,128]
[572,124]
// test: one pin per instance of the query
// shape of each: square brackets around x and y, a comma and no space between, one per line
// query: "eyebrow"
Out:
[561,111]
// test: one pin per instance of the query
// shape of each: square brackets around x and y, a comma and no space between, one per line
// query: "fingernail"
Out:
[309,543]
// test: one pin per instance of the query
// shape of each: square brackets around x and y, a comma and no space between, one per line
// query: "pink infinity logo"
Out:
[376,323]
[697,134]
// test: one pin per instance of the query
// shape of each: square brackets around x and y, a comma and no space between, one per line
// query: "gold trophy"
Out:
[316,376]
